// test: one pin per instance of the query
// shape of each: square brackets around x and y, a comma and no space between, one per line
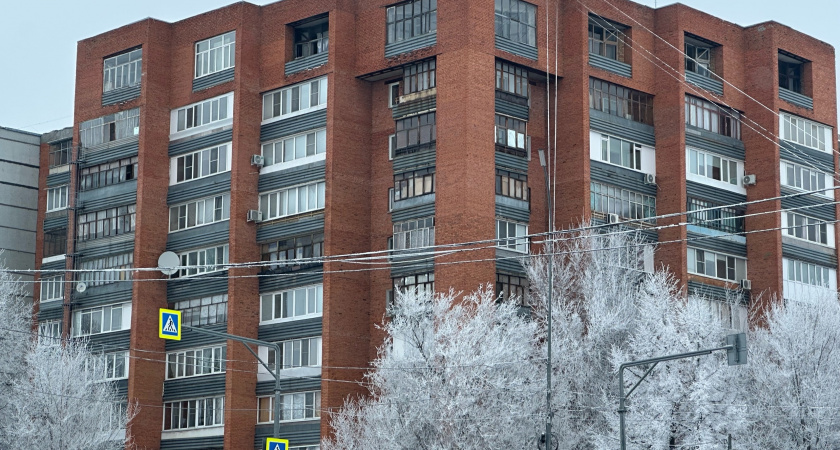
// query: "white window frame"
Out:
[121,310]
[218,410]
[393,100]
[414,233]
[201,266]
[223,108]
[49,332]
[52,288]
[805,290]
[811,174]
[789,229]
[516,243]
[57,198]
[220,52]
[195,358]
[106,270]
[201,209]
[265,405]
[103,366]
[198,161]
[267,354]
[705,178]
[129,71]
[311,297]
[271,149]
[692,264]
[809,133]
[287,93]
[300,193]
[648,154]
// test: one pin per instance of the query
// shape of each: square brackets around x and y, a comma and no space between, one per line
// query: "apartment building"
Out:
[261,143]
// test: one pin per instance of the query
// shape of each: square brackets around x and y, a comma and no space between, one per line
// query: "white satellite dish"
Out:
[168,263]
[81,287]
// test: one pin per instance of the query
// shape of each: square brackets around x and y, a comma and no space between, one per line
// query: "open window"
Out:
[312,37]
[791,72]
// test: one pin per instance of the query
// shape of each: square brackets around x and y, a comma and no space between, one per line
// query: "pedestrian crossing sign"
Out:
[170,324]
[276,444]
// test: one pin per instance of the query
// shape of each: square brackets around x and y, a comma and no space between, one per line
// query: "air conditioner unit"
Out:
[746,285]
[254,215]
[613,218]
[748,180]
[257,160]
[650,178]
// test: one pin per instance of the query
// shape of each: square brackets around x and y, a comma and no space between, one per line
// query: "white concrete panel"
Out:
[20,218]
[11,239]
[18,174]
[19,196]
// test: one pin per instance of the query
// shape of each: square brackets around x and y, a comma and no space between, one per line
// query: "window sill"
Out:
[193,228]
[291,319]
[53,258]
[276,167]
[50,300]
[312,419]
[214,430]
[294,114]
[194,376]
[59,169]
[807,241]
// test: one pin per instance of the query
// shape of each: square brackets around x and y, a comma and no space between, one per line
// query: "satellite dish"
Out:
[81,287]
[168,263]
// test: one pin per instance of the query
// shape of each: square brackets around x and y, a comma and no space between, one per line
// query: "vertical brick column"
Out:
[669,121]
[146,370]
[465,167]
[243,286]
[346,318]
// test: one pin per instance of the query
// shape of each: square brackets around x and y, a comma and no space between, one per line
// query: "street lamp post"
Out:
[550,224]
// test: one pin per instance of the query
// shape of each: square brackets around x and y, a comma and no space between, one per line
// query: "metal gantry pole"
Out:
[275,373]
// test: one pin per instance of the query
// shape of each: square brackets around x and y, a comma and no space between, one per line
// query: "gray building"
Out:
[19,160]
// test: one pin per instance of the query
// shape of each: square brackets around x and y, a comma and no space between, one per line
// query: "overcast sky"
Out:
[38,42]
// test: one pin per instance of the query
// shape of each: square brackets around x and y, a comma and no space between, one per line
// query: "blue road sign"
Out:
[276,444]
[169,326]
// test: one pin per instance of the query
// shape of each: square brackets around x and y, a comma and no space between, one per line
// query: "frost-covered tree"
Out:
[791,390]
[454,373]
[49,396]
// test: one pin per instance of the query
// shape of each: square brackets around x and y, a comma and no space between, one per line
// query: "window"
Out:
[110,269]
[199,413]
[394,92]
[805,132]
[110,128]
[215,54]
[512,184]
[415,131]
[808,228]
[286,251]
[510,135]
[298,99]
[510,286]
[291,201]
[292,303]
[123,70]
[517,21]
[205,260]
[726,219]
[200,164]
[414,233]
[423,283]
[620,101]
[109,173]
[203,113]
[295,147]
[621,153]
[55,242]
[790,72]
[414,184]
[60,153]
[57,198]
[807,273]
[511,79]
[711,117]
[605,39]
[698,57]
[607,199]
[796,176]
[197,361]
[293,406]
[203,311]
[304,352]
[102,319]
[312,38]
[512,235]
[52,288]
[712,166]
[109,366]
[410,19]
[419,76]
[105,223]
[199,212]
[716,265]
[49,332]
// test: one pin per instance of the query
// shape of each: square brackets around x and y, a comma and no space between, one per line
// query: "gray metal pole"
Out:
[622,408]
[548,365]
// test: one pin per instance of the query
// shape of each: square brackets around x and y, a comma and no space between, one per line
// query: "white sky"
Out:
[38,42]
